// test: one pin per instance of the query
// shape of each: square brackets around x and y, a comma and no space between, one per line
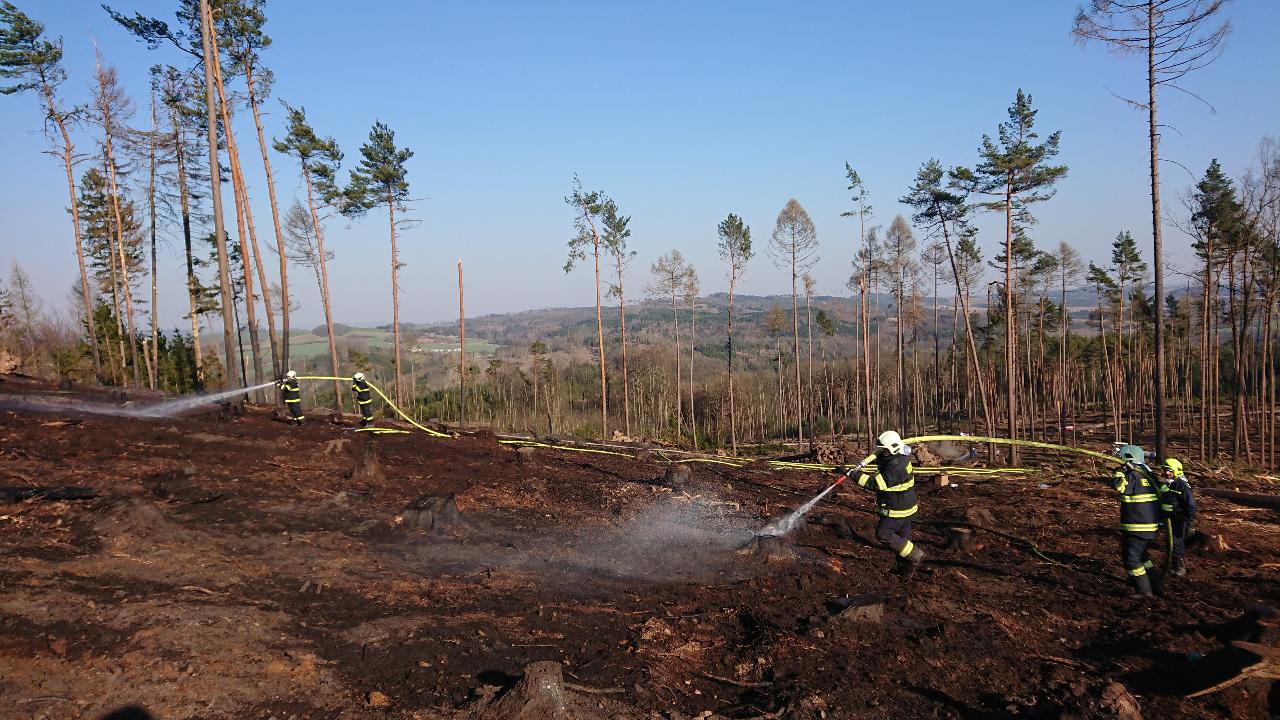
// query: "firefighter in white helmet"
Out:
[895,488]
[292,395]
[364,398]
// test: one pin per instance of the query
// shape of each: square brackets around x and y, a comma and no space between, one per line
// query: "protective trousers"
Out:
[1181,526]
[295,410]
[896,533]
[1133,553]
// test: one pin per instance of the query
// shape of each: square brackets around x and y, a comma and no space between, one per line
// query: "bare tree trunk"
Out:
[693,344]
[1153,135]
[733,414]
[395,295]
[795,338]
[808,311]
[622,323]
[275,219]
[108,131]
[1010,333]
[68,162]
[250,254]
[324,287]
[185,207]
[215,183]
[153,363]
[462,352]
[604,391]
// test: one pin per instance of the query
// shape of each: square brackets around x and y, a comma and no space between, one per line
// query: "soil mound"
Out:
[139,518]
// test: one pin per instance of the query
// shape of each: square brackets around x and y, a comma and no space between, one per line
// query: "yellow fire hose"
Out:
[784,464]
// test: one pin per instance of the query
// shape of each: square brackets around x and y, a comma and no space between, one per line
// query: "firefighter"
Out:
[894,485]
[1141,516]
[1180,508]
[364,398]
[292,396]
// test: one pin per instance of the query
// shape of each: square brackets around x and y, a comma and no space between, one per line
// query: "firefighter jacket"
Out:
[1177,500]
[292,393]
[1140,500]
[894,484]
[361,388]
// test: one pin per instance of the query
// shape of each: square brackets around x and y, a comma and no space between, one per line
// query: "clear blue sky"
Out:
[681,111]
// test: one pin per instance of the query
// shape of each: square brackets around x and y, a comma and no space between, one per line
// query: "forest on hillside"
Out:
[944,326]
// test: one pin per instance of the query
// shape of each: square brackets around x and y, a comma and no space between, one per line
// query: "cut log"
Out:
[22,494]
[1258,500]
[1230,665]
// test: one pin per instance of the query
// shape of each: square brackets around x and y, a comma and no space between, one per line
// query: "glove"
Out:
[843,471]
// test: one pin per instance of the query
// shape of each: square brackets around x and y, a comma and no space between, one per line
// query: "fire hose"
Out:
[865,464]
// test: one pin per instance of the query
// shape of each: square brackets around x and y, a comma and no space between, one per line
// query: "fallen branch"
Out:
[594,691]
[1258,500]
[730,681]
[23,494]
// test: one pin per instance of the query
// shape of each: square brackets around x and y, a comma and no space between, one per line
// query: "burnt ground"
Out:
[232,569]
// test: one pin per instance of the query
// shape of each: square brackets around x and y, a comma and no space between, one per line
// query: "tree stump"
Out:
[540,695]
[367,469]
[769,548]
[867,608]
[677,477]
[436,513]
[525,453]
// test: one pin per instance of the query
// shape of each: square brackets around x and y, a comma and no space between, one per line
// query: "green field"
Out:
[306,344]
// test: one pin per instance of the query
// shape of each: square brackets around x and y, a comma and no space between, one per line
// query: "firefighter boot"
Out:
[1141,586]
[911,562]
[1179,568]
[1157,581]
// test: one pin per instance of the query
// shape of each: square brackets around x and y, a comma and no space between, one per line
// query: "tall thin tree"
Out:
[1177,38]
[319,160]
[30,62]
[381,180]
[589,208]
[1015,170]
[794,246]
[736,251]
[616,232]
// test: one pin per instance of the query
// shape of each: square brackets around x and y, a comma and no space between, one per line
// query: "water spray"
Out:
[167,408]
[784,525]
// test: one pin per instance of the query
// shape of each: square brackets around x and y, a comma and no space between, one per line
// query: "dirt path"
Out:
[233,570]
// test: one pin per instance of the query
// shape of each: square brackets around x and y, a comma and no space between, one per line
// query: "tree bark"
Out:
[324,286]
[462,352]
[275,219]
[1162,437]
[215,184]
[395,295]
[108,147]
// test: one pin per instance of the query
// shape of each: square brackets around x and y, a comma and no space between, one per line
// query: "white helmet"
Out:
[291,374]
[891,441]
[358,376]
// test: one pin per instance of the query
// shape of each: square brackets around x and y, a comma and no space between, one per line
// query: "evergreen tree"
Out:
[1014,169]
[735,249]
[380,180]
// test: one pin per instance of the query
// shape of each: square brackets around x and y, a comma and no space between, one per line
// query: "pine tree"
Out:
[1015,170]
[616,232]
[589,209]
[30,62]
[735,249]
[381,181]
[318,159]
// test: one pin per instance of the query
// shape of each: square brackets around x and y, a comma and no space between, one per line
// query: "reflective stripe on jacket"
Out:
[1140,500]
[363,395]
[894,484]
[292,393]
